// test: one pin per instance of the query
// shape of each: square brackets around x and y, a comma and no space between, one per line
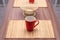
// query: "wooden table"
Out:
[43,13]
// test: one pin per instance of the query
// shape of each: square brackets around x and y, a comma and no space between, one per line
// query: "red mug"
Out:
[31,23]
[31,1]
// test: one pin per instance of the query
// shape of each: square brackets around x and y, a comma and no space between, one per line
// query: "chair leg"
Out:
[55,3]
[3,2]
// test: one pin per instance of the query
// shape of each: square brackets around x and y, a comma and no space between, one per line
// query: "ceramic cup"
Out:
[31,22]
[29,13]
[31,1]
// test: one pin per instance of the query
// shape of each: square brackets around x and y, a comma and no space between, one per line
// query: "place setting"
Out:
[29,7]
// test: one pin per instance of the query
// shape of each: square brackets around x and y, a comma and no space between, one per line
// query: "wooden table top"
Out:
[43,13]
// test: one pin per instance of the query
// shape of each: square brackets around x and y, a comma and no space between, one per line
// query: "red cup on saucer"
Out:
[31,22]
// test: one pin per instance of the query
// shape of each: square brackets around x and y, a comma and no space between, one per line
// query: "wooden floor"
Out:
[43,14]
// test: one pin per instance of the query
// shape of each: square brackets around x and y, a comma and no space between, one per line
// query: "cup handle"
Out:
[37,23]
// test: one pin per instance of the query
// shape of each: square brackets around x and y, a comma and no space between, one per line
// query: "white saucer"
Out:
[29,15]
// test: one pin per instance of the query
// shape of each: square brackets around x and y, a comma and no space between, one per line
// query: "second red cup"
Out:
[31,1]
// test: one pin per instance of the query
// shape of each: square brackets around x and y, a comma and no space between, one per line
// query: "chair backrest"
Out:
[4,3]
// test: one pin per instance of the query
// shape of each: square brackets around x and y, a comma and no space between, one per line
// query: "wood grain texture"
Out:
[30,39]
[43,13]
[17,29]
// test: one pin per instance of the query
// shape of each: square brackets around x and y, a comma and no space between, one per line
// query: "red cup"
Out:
[31,1]
[31,22]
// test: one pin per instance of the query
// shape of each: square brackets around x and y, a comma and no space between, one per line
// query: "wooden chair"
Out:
[55,3]
[4,3]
